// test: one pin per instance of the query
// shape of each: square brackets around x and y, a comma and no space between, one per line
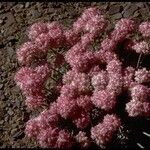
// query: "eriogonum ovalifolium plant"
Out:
[95,79]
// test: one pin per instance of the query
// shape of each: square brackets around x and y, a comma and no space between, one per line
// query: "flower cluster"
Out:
[95,79]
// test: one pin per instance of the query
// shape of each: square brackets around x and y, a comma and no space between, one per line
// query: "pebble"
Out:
[27,4]
[13,131]
[1,86]
[1,122]
[114,9]
[1,21]
[117,16]
[129,12]
[10,112]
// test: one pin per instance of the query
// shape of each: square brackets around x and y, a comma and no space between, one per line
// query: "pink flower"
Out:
[64,140]
[144,28]
[119,35]
[95,25]
[140,92]
[78,25]
[82,61]
[32,128]
[47,137]
[100,80]
[138,108]
[81,119]
[142,75]
[69,91]
[128,75]
[115,83]
[35,101]
[84,102]
[66,107]
[31,80]
[71,37]
[141,47]
[50,116]
[89,13]
[56,35]
[108,44]
[94,71]
[43,41]
[82,139]
[103,132]
[104,99]
[29,51]
[86,39]
[125,25]
[104,56]
[77,80]
[36,29]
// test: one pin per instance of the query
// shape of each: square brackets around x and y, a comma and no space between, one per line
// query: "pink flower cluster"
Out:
[95,79]
[103,132]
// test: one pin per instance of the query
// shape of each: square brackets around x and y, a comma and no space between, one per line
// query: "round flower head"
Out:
[84,102]
[128,75]
[114,69]
[50,116]
[103,99]
[137,108]
[68,91]
[108,44]
[95,25]
[64,140]
[71,37]
[36,29]
[103,132]
[43,41]
[89,13]
[100,80]
[125,25]
[31,80]
[28,51]
[35,101]
[66,107]
[142,75]
[140,92]
[144,28]
[56,35]
[82,139]
[80,81]
[47,137]
[141,47]
[32,128]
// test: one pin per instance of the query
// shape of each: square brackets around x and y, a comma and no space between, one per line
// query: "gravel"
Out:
[15,17]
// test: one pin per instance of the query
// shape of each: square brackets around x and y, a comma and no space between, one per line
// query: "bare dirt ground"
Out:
[15,17]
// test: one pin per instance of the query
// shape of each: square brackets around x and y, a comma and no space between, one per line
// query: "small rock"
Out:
[130,11]
[18,135]
[13,131]
[1,21]
[35,14]
[1,86]
[10,51]
[10,112]
[27,4]
[114,9]
[1,122]
[117,16]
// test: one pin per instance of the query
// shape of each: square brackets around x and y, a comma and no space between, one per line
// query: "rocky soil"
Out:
[15,17]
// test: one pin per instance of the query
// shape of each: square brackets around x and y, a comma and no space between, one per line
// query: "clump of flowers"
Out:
[95,79]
